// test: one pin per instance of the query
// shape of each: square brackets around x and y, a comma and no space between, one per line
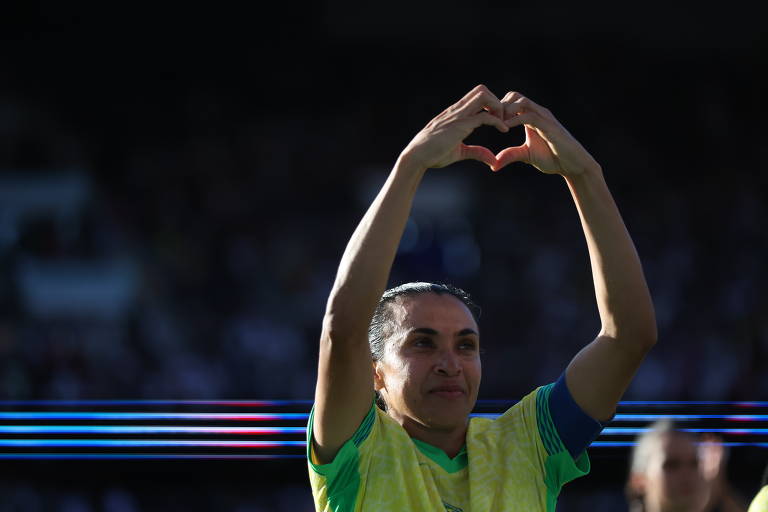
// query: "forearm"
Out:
[365,266]
[623,299]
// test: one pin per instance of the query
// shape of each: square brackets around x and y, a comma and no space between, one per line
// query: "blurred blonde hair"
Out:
[646,445]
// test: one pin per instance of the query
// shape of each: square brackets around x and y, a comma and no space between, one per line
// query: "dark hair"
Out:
[381,324]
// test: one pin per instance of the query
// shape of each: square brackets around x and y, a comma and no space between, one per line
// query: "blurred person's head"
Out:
[665,474]
[425,345]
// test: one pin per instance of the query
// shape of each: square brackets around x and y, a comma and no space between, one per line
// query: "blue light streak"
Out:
[654,417]
[629,444]
[625,431]
[691,417]
[637,403]
[110,403]
[283,403]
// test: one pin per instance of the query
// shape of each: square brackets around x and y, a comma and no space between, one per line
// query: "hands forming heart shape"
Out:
[548,146]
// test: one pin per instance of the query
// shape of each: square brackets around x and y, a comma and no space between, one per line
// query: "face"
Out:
[674,481]
[430,372]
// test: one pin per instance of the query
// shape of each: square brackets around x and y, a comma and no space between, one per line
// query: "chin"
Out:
[446,417]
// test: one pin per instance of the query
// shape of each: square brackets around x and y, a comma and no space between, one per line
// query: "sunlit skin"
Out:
[674,481]
[430,373]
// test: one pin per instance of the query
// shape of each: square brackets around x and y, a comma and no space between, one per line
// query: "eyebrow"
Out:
[432,332]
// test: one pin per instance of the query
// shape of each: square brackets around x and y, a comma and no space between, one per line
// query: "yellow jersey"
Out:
[516,462]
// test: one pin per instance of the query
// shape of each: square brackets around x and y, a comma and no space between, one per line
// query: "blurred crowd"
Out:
[198,267]
[194,263]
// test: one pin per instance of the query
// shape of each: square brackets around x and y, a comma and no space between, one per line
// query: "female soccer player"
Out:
[422,355]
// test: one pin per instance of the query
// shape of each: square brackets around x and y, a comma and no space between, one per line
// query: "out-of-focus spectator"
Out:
[669,472]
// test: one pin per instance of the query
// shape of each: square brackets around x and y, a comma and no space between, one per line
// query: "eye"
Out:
[468,345]
[422,342]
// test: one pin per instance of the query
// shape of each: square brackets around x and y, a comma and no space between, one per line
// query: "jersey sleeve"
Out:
[576,428]
[560,466]
[338,481]
[526,434]
[760,503]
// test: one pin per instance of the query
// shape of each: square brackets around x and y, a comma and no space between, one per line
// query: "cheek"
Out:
[655,482]
[474,369]
[399,373]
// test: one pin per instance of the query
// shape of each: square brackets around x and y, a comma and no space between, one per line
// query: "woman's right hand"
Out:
[440,143]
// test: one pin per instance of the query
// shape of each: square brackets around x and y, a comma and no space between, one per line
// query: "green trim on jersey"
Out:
[341,473]
[516,461]
[450,465]
[560,467]
[547,430]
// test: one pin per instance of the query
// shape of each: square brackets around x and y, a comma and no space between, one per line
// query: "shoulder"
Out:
[518,420]
[760,503]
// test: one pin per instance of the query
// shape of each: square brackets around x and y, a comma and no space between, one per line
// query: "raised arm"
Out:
[600,373]
[344,391]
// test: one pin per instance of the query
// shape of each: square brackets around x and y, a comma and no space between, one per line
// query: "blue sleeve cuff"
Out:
[576,428]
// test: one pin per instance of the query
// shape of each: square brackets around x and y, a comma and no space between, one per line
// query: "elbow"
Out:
[643,328]
[646,336]
[650,337]
[640,334]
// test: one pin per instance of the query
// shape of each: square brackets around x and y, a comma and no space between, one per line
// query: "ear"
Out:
[637,483]
[378,377]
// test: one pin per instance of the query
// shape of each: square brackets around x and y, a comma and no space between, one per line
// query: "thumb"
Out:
[510,155]
[479,153]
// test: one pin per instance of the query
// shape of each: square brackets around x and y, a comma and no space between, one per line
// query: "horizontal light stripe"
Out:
[208,416]
[618,431]
[281,403]
[225,403]
[637,403]
[144,429]
[626,444]
[300,444]
[157,429]
[691,417]
[654,417]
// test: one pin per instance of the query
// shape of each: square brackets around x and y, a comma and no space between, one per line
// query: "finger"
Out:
[471,94]
[529,119]
[510,107]
[482,100]
[510,155]
[466,98]
[516,102]
[479,153]
[511,96]
[486,118]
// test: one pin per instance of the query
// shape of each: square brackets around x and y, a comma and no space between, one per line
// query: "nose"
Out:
[448,363]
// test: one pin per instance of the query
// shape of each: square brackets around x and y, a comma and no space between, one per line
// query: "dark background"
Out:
[221,157]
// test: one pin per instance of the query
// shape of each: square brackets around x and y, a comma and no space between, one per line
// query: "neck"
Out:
[450,440]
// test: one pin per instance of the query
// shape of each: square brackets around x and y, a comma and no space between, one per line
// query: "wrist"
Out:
[408,164]
[589,175]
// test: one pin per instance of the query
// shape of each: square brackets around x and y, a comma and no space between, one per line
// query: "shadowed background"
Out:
[177,187]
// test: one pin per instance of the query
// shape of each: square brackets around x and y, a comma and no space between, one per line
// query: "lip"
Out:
[448,391]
